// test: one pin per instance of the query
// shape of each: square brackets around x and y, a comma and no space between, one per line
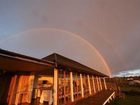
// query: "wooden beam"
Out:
[93,84]
[14,83]
[77,89]
[55,86]
[81,83]
[105,83]
[64,80]
[35,86]
[98,83]
[14,101]
[71,86]
[31,82]
[89,85]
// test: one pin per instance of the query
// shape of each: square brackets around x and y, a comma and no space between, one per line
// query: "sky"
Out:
[128,73]
[108,31]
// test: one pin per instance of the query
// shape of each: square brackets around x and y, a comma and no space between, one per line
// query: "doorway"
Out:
[43,90]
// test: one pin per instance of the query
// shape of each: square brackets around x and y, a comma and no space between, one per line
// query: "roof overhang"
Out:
[10,61]
[71,65]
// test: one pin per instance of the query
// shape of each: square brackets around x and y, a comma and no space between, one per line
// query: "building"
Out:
[26,80]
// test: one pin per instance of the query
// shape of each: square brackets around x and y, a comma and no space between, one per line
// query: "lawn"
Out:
[129,100]
[130,89]
[131,96]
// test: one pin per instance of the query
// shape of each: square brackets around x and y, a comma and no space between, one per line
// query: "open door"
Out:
[43,90]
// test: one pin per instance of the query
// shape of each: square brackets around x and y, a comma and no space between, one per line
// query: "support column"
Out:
[55,86]
[81,83]
[89,85]
[71,86]
[101,83]
[31,86]
[64,77]
[98,83]
[16,91]
[13,90]
[35,91]
[93,84]
[105,83]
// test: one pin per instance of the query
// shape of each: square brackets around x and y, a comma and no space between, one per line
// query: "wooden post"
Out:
[105,83]
[101,83]
[16,91]
[55,86]
[89,85]
[71,86]
[93,84]
[34,93]
[77,86]
[81,83]
[31,84]
[98,83]
[64,77]
[13,90]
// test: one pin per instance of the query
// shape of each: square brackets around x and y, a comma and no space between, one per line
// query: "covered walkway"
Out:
[63,80]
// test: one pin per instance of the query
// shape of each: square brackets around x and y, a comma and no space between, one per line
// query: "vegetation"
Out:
[129,100]
[130,94]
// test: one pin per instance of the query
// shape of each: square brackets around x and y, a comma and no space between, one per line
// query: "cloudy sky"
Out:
[128,73]
[102,34]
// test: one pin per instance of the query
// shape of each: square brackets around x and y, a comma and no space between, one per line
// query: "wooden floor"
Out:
[97,99]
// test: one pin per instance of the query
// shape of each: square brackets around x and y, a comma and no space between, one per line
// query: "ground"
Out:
[129,100]
[131,96]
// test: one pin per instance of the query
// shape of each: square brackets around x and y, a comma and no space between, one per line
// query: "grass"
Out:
[130,89]
[131,96]
[129,100]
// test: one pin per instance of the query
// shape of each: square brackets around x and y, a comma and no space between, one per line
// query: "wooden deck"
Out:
[97,99]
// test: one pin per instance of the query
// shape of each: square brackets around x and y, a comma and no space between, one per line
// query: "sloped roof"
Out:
[61,61]
[11,61]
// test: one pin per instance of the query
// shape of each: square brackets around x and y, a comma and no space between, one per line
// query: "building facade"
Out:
[54,80]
